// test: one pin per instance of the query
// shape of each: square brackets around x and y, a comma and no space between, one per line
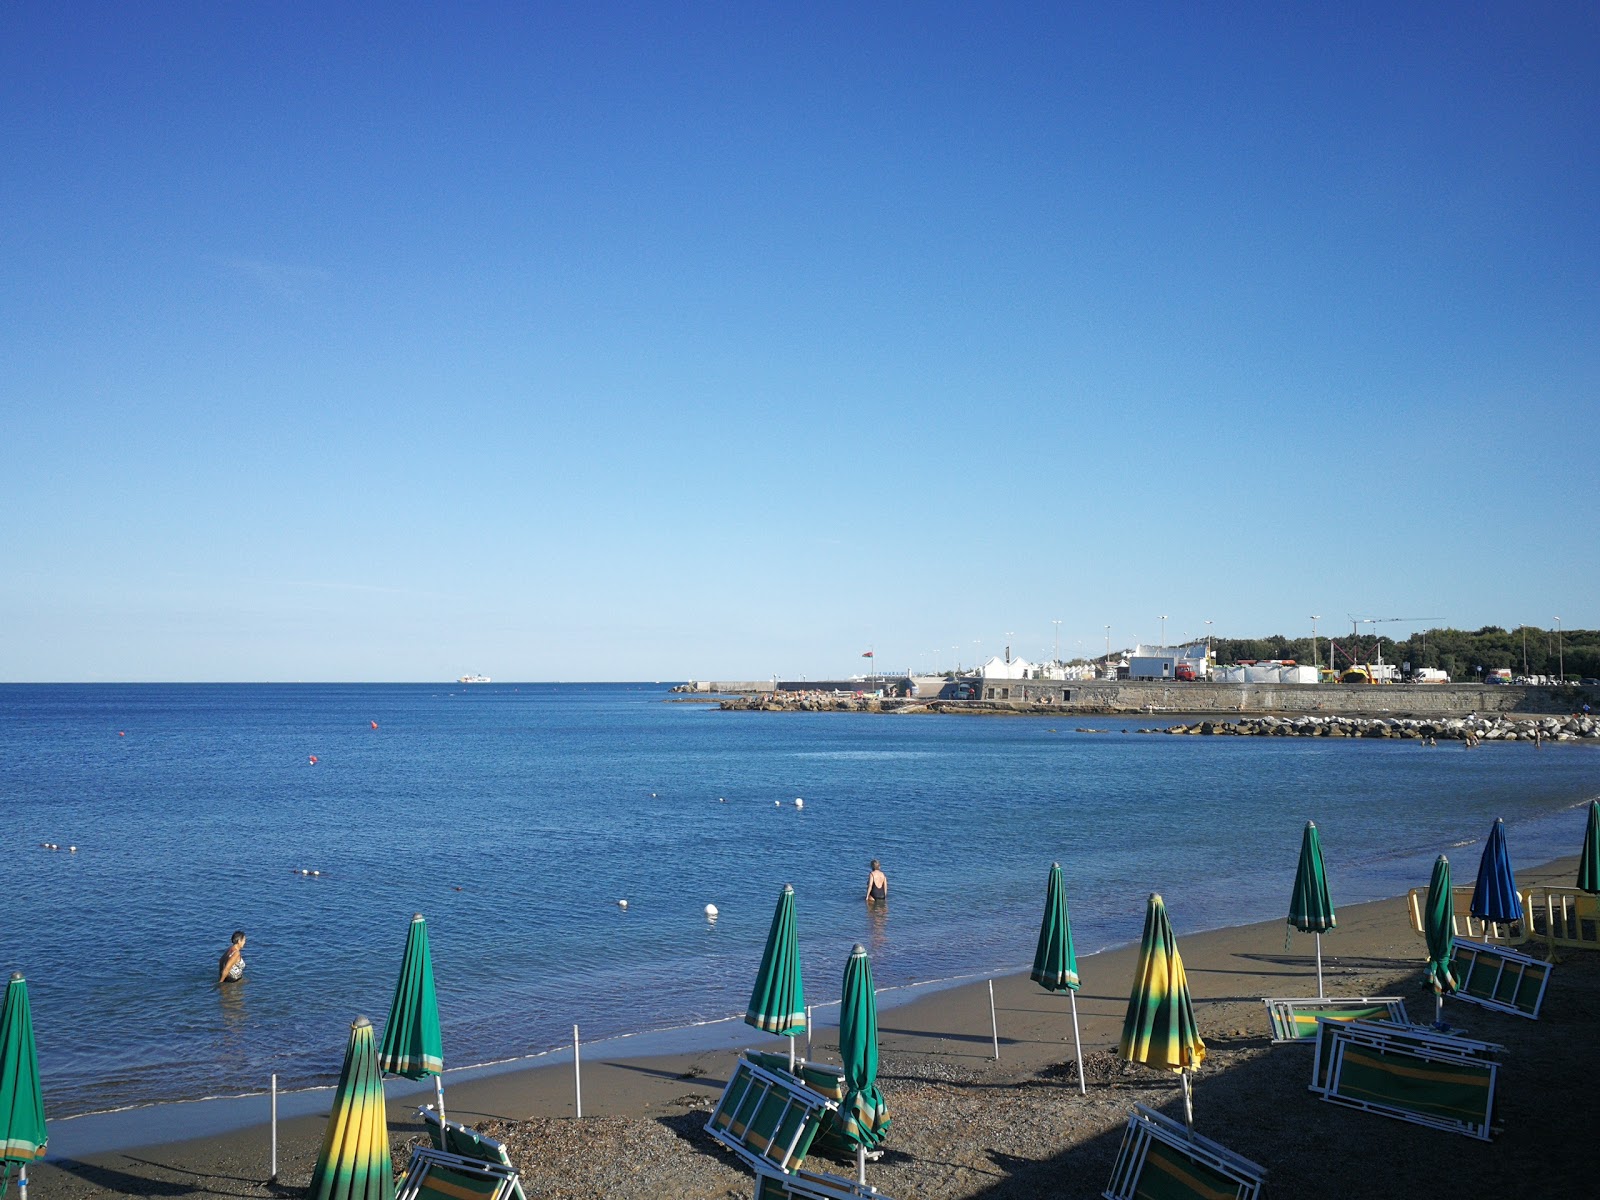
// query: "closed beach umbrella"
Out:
[1159,1028]
[778,1001]
[1494,897]
[413,1047]
[1055,962]
[22,1129]
[1310,910]
[1437,929]
[1589,864]
[354,1163]
[863,1114]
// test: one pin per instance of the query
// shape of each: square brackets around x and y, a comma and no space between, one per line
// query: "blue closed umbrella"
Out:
[1494,897]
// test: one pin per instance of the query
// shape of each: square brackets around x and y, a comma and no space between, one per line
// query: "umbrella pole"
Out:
[791,1054]
[1320,993]
[1188,1102]
[273,1179]
[994,1024]
[808,1033]
[22,1182]
[438,1099]
[861,1165]
[1077,1040]
[577,1076]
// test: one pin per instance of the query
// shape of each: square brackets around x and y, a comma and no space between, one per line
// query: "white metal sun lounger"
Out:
[1160,1156]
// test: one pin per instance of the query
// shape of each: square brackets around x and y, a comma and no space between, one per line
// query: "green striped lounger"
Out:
[1408,1072]
[1161,1159]
[1295,1019]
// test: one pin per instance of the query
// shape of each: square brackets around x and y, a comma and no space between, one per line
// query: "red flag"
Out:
[868,654]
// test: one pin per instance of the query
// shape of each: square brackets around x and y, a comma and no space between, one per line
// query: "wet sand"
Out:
[966,1125]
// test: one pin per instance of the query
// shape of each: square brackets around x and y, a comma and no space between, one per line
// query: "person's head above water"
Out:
[874,864]
[238,937]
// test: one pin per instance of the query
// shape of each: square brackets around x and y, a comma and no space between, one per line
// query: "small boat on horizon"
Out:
[474,679]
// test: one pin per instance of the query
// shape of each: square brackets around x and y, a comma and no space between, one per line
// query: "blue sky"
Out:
[637,342]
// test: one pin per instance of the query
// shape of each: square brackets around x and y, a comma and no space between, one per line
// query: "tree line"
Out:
[1466,654]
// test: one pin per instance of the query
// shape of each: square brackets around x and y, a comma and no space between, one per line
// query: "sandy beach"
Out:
[968,1126]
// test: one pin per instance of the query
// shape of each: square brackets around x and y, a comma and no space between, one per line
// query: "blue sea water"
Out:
[515,817]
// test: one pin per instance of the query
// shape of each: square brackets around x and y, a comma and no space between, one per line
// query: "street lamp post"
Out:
[1108,645]
[1163,629]
[1057,624]
[1561,653]
[1315,617]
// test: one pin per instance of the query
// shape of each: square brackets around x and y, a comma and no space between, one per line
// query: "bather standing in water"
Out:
[230,967]
[877,885]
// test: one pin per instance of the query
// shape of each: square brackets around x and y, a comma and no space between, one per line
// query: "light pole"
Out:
[1561,653]
[1315,617]
[1524,649]
[1163,629]
[1108,645]
[1057,624]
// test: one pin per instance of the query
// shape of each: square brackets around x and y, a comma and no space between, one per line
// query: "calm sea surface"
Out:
[514,818]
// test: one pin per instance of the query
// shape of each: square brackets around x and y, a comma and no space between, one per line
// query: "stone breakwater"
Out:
[1471,729]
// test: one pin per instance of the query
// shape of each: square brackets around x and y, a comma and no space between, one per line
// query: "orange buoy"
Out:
[313,760]
[374,724]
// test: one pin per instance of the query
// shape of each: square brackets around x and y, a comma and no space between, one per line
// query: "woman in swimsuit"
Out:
[231,967]
[877,885]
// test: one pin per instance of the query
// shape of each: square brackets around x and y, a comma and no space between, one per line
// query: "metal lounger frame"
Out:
[1507,967]
[812,1185]
[1335,1038]
[1282,1010]
[791,1095]
[1564,916]
[1145,1126]
[455,1138]
[424,1159]
[1464,925]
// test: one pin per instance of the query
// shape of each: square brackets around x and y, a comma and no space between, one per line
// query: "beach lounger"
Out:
[812,1185]
[768,1118]
[1161,1159]
[1409,1072]
[1295,1020]
[1564,917]
[1463,924]
[825,1080]
[1501,979]
[437,1175]
[454,1138]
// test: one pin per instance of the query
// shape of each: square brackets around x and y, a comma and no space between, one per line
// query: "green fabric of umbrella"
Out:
[1159,1028]
[354,1163]
[413,1047]
[1589,864]
[1055,962]
[864,1114]
[778,1001]
[1436,927]
[1310,910]
[22,1127]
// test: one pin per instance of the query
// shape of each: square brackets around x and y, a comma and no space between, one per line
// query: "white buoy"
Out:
[622,904]
[316,872]
[777,804]
[711,911]
[72,849]
[799,803]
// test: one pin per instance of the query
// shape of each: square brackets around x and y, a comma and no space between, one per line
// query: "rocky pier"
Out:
[1478,727]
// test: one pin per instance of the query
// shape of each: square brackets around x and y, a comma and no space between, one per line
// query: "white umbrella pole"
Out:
[1188,1101]
[22,1182]
[861,1165]
[994,1025]
[577,1076]
[808,1033]
[274,1177]
[1077,1039]
[1320,993]
[791,1054]
[438,1099]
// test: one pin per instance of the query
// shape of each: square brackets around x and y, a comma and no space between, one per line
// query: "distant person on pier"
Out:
[231,965]
[877,885]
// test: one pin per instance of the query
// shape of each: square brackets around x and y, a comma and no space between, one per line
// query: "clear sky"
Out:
[652,342]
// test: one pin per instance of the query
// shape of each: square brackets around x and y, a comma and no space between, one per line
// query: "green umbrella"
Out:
[1589,864]
[1310,910]
[1055,963]
[1159,1028]
[354,1163]
[22,1129]
[413,1047]
[863,1114]
[778,1000]
[1438,928]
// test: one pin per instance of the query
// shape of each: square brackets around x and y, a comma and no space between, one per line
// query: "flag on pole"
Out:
[866,654]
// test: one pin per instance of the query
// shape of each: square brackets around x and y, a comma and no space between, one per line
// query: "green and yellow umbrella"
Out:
[863,1113]
[1589,863]
[412,1045]
[22,1128]
[1438,928]
[1310,909]
[1055,963]
[778,1000]
[354,1163]
[1159,1029]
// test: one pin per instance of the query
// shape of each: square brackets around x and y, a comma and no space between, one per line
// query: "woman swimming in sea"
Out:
[231,965]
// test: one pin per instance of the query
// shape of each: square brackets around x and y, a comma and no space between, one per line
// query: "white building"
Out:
[1009,668]
[1161,662]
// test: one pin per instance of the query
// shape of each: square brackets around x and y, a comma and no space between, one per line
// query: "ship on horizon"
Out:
[474,679]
